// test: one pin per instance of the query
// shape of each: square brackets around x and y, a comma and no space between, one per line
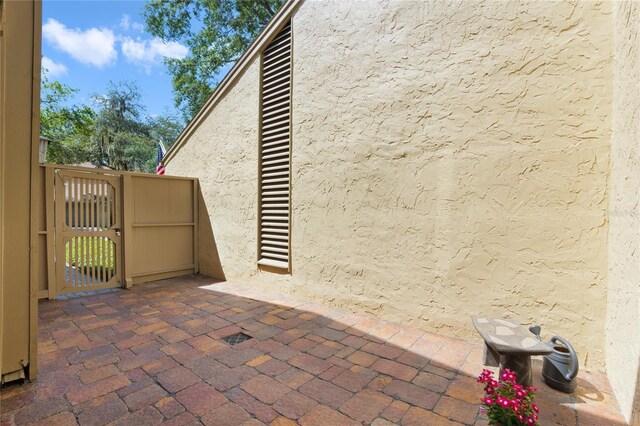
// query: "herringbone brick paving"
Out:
[154,354]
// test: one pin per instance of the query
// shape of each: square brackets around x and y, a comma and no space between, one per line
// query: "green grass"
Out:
[87,253]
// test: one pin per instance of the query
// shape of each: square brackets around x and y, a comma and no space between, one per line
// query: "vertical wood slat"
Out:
[94,232]
[77,239]
[101,275]
[74,243]
[83,239]
[98,202]
[87,226]
[50,216]
[70,204]
[110,216]
[102,229]
[83,221]
[91,233]
[98,240]
[127,231]
[108,208]
[275,153]
[70,220]
[70,217]
[89,197]
[90,261]
[110,223]
[73,224]
[87,223]
[105,200]
[99,230]
[59,207]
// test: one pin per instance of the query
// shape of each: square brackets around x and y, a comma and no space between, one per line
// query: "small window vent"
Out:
[236,338]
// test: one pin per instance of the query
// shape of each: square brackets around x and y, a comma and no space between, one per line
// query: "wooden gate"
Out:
[88,223]
[102,228]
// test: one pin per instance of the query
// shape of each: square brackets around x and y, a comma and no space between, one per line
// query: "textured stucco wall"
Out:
[223,154]
[623,319]
[448,159]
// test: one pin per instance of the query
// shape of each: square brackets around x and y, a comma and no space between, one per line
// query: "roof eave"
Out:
[266,35]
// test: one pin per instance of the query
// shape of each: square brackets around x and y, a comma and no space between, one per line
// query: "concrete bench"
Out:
[510,345]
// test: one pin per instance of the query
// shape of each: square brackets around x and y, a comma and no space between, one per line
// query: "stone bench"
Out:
[510,345]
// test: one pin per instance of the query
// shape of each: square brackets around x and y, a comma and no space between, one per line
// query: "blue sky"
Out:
[85,44]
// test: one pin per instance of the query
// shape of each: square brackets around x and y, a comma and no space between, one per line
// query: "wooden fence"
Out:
[104,228]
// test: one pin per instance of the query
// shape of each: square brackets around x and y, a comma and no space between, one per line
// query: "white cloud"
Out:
[149,52]
[125,22]
[53,68]
[95,46]
[137,26]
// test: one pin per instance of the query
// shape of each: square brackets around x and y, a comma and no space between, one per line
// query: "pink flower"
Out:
[487,400]
[508,375]
[505,398]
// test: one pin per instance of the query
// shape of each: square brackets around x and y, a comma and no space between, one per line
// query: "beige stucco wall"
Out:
[623,319]
[223,154]
[448,160]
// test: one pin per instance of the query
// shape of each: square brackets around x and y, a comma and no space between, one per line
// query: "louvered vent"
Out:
[275,146]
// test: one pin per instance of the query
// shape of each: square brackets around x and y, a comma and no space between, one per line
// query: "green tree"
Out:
[216,32]
[124,138]
[165,128]
[69,127]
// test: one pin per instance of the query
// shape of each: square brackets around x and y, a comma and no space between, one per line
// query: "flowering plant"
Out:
[506,402]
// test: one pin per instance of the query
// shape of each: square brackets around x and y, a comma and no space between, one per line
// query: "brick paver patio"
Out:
[154,354]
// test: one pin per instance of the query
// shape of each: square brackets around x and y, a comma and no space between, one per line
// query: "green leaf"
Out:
[217,32]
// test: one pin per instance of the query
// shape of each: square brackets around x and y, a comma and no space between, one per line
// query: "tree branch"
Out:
[267,6]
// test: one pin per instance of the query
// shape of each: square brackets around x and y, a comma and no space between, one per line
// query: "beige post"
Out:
[127,230]
[19,120]
[35,190]
[196,267]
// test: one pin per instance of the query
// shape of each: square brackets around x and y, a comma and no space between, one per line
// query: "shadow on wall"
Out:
[209,260]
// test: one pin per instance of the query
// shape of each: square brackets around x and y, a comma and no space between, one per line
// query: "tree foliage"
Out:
[165,128]
[216,32]
[116,134]
[67,126]
[124,138]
